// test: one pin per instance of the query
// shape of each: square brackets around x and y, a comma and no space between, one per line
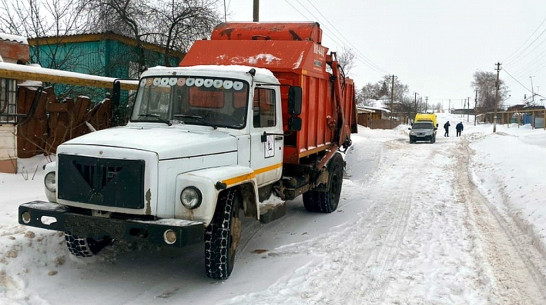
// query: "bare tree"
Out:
[55,19]
[485,83]
[34,18]
[383,89]
[173,24]
[369,91]
[346,59]
[183,22]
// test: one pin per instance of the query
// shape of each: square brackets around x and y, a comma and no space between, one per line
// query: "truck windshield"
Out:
[216,102]
[422,126]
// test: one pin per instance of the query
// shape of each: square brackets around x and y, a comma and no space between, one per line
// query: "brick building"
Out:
[13,50]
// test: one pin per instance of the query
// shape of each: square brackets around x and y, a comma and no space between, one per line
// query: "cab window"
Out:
[264,107]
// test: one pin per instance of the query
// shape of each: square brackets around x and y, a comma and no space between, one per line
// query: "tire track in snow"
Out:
[416,241]
[383,252]
[513,264]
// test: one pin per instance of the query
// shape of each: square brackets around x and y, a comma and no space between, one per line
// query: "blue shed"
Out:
[104,54]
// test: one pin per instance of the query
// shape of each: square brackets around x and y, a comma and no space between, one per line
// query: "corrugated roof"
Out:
[13,38]
[97,37]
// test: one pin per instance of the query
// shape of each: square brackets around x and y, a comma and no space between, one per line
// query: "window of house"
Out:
[8,102]
[264,107]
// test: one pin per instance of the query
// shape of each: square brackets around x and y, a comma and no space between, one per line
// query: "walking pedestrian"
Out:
[459,128]
[446,127]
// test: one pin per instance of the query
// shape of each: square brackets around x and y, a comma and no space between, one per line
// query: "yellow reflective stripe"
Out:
[252,175]
[238,179]
[266,169]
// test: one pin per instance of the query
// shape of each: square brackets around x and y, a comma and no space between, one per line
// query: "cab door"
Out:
[266,135]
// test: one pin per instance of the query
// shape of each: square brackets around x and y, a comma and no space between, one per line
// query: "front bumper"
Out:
[56,217]
[421,138]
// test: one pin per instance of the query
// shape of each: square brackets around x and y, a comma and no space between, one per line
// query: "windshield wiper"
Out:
[192,116]
[151,115]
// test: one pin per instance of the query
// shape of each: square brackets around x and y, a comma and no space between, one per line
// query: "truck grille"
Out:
[107,182]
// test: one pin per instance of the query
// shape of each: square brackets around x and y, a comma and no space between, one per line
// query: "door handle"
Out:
[265,134]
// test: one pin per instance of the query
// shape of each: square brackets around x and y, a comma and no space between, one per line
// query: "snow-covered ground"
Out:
[461,221]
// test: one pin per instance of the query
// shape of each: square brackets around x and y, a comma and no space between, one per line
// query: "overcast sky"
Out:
[433,46]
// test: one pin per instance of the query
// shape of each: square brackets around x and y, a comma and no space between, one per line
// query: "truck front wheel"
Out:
[326,202]
[84,247]
[223,236]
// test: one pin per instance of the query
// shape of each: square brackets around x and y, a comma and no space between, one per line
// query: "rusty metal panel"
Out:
[32,129]
[49,123]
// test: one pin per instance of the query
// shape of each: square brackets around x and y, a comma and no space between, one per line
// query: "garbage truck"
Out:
[259,109]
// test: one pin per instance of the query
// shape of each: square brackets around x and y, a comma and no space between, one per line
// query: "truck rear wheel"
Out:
[223,236]
[327,202]
[84,247]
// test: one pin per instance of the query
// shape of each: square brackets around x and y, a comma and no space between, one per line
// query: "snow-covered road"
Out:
[417,224]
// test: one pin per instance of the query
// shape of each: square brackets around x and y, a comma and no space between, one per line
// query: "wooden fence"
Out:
[48,122]
[509,117]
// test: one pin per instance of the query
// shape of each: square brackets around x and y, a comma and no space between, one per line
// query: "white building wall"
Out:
[8,149]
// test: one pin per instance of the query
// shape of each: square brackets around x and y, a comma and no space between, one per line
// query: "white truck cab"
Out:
[194,133]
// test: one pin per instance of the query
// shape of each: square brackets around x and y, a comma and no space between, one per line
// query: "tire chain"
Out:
[78,246]
[217,238]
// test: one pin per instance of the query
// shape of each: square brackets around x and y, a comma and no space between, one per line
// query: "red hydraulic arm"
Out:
[340,123]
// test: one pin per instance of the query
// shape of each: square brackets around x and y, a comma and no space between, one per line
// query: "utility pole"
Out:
[415,103]
[392,101]
[256,11]
[532,91]
[475,107]
[496,97]
[415,99]
[426,104]
[468,109]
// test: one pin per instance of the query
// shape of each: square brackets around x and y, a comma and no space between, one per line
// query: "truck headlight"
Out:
[191,197]
[50,183]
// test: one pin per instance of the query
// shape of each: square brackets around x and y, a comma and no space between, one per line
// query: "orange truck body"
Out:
[293,52]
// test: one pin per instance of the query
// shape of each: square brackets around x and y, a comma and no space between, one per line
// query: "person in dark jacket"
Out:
[459,128]
[446,127]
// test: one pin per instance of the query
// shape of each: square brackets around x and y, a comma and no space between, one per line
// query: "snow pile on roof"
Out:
[214,68]
[14,38]
[30,83]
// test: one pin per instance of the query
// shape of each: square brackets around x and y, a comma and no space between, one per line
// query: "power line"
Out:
[337,40]
[531,65]
[504,69]
[529,38]
[369,61]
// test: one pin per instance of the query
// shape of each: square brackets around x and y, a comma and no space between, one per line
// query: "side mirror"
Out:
[116,92]
[294,124]
[294,101]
